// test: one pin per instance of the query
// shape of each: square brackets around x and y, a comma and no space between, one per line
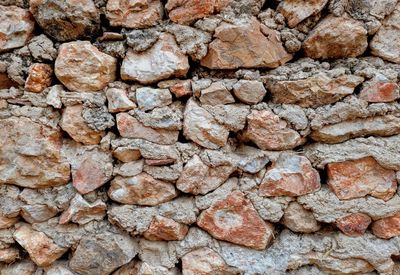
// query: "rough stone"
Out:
[80,211]
[9,255]
[118,100]
[216,94]
[380,92]
[354,224]
[296,11]
[148,98]
[42,48]
[233,116]
[298,219]
[179,88]
[361,177]
[80,66]
[249,91]
[387,227]
[165,229]
[39,77]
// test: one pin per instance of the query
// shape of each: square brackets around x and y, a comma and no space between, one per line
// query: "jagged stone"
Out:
[118,100]
[296,11]
[354,224]
[148,98]
[298,219]
[380,92]
[39,77]
[387,227]
[216,94]
[80,211]
[165,229]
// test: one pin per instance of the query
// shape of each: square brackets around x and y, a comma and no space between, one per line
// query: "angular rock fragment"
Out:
[37,213]
[42,250]
[179,88]
[353,224]
[298,219]
[233,116]
[66,20]
[42,48]
[361,177]
[296,11]
[182,210]
[200,126]
[134,14]
[118,100]
[290,175]
[73,123]
[235,220]
[165,229]
[216,94]
[336,37]
[141,189]
[39,77]
[163,60]
[9,255]
[16,27]
[148,98]
[243,46]
[269,132]
[6,222]
[24,267]
[81,67]
[80,211]
[249,91]
[380,92]
[387,228]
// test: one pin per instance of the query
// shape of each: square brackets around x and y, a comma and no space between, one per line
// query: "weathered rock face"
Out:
[66,20]
[165,229]
[354,224]
[358,178]
[249,91]
[80,66]
[134,14]
[16,27]
[380,92]
[336,37]
[163,60]
[39,78]
[387,227]
[296,11]
[298,219]
[243,46]
[235,220]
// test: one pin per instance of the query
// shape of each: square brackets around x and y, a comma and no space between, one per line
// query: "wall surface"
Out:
[199,137]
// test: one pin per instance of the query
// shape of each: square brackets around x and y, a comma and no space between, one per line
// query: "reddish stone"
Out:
[361,177]
[387,228]
[80,211]
[165,229]
[89,176]
[296,11]
[159,162]
[39,77]
[235,220]
[181,88]
[6,82]
[6,222]
[381,92]
[354,224]
[290,175]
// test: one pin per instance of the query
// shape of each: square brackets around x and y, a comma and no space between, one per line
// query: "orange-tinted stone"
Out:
[381,92]
[165,229]
[387,228]
[354,224]
[39,77]
[89,176]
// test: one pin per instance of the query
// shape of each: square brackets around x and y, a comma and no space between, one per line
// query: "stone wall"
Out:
[199,137]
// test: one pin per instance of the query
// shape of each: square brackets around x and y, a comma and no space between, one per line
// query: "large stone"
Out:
[149,98]
[141,189]
[336,37]
[118,100]
[66,20]
[361,177]
[216,94]
[39,78]
[354,224]
[42,250]
[249,91]
[185,12]
[73,123]
[81,67]
[314,91]
[387,227]
[296,11]
[9,255]
[201,127]
[385,43]
[269,132]
[244,46]
[380,91]
[235,220]
[165,229]
[300,220]
[163,60]
[290,175]
[16,27]
[80,211]
[134,14]
[30,154]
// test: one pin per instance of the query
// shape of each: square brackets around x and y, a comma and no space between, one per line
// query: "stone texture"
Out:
[354,224]
[296,11]
[269,132]
[235,220]
[80,211]
[81,67]
[39,78]
[66,20]
[380,92]
[134,14]
[358,178]
[243,46]
[163,60]
[290,175]
[141,189]
[249,91]
[336,37]
[216,94]
[16,27]
[118,100]
[148,98]
[387,227]
[298,219]
[165,229]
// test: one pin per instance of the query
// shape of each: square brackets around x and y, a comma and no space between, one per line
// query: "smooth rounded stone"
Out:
[201,127]
[66,20]
[290,175]
[185,12]
[164,229]
[296,11]
[149,98]
[141,189]
[134,14]
[42,250]
[30,154]
[73,123]
[269,132]
[336,37]
[118,100]
[39,78]
[234,219]
[300,220]
[80,211]
[361,177]
[354,224]
[9,255]
[380,92]
[81,67]
[387,228]
[162,61]
[16,27]
[216,94]
[385,42]
[249,91]
[130,127]
[243,46]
